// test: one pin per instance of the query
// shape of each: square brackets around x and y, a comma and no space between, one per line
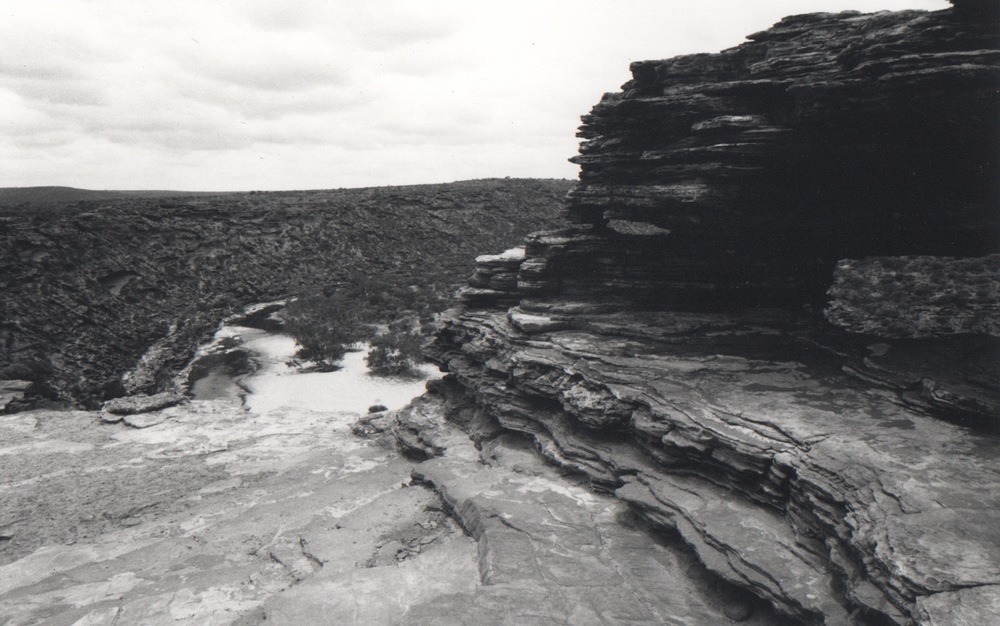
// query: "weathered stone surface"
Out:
[130,405]
[531,323]
[222,516]
[835,501]
[12,392]
[205,517]
[550,550]
[917,296]
[494,282]
[965,607]
[140,420]
[828,136]
[956,378]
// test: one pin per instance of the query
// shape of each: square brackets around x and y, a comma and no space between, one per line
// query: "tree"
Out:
[397,350]
[324,325]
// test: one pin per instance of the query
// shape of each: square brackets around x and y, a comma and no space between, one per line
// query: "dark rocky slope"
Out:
[95,289]
[671,347]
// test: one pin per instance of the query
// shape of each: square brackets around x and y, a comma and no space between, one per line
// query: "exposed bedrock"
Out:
[921,296]
[96,289]
[754,170]
[833,499]
[670,346]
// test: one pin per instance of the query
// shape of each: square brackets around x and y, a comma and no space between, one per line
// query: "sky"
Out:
[228,95]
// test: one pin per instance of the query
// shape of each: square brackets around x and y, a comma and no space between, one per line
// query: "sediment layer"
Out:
[752,171]
[671,346]
[834,499]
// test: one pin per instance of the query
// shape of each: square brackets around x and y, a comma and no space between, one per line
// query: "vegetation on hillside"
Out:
[90,285]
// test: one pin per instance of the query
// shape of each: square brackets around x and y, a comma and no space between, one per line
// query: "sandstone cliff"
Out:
[671,346]
[91,287]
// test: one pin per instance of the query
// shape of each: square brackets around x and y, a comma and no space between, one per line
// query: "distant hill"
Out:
[38,196]
[92,282]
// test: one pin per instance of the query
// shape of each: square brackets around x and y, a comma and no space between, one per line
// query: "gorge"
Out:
[97,289]
[755,379]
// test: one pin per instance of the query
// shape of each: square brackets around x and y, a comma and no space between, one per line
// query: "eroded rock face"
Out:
[828,497]
[12,392]
[549,550]
[669,347]
[826,137]
[921,296]
[142,404]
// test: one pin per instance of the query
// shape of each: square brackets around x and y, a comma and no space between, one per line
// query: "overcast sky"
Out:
[255,94]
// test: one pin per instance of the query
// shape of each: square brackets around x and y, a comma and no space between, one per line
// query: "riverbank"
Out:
[216,489]
[267,508]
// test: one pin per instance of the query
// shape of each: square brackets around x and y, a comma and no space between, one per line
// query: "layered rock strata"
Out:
[549,550]
[670,347]
[754,170]
[831,498]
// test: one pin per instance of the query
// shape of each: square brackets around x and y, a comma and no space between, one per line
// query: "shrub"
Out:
[397,350]
[327,321]
[324,325]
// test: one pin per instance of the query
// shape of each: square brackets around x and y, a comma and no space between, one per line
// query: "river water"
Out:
[280,382]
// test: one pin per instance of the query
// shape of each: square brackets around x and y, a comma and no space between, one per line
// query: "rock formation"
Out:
[99,288]
[824,138]
[670,347]
[771,334]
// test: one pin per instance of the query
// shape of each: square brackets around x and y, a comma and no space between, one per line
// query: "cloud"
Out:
[71,92]
[254,94]
[262,61]
[267,15]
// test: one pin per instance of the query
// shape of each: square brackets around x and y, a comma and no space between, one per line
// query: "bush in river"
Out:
[397,350]
[324,322]
[324,325]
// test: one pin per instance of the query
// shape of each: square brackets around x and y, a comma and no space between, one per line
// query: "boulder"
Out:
[12,392]
[115,410]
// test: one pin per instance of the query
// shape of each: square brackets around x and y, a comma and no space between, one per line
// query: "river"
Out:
[279,382]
